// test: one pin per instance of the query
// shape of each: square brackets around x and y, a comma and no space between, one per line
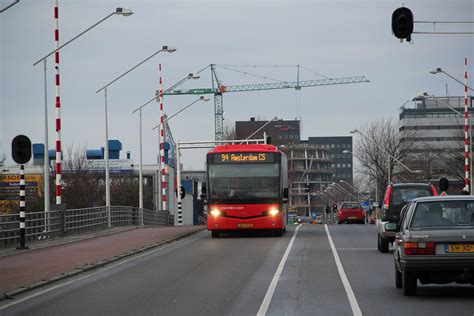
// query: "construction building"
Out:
[340,151]
[310,165]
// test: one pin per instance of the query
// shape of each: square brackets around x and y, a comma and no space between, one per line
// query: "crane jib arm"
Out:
[271,86]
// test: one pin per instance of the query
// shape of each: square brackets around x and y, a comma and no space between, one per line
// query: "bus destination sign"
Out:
[244,157]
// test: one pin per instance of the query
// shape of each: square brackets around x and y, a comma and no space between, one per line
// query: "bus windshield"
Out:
[244,181]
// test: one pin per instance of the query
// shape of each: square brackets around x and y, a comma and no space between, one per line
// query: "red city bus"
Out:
[247,189]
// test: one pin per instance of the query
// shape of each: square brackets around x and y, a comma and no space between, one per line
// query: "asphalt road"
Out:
[231,276]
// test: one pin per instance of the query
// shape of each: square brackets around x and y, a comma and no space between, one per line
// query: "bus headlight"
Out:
[273,212]
[215,212]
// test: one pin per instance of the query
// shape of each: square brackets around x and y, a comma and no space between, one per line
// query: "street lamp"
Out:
[168,49]
[435,71]
[390,155]
[375,173]
[353,188]
[338,195]
[342,189]
[188,77]
[201,98]
[118,11]
[274,119]
[9,5]
[425,94]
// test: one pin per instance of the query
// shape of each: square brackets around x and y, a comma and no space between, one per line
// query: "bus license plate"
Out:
[244,225]
[460,248]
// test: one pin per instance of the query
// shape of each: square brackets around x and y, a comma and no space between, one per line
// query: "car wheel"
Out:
[398,278]
[383,245]
[278,232]
[378,242]
[215,234]
[409,284]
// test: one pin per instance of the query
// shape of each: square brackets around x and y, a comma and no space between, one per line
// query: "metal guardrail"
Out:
[73,221]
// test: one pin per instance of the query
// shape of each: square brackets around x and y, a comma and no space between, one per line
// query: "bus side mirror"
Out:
[285,193]
[203,191]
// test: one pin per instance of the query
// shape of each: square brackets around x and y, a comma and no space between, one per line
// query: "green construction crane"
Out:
[219,89]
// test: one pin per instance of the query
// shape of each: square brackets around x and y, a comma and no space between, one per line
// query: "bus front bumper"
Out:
[233,223]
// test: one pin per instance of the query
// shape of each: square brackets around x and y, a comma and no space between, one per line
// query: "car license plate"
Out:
[460,248]
[352,217]
[244,225]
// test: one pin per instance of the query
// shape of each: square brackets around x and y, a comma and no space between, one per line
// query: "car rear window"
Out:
[350,205]
[443,214]
[401,195]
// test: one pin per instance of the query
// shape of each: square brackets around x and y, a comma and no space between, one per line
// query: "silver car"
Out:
[435,243]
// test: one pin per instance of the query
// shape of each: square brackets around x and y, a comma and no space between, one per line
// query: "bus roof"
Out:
[244,148]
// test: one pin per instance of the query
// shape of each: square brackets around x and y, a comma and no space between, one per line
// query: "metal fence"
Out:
[73,221]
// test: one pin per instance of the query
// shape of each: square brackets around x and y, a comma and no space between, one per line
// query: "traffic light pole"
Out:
[22,209]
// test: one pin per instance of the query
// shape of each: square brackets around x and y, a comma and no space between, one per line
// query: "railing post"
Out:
[63,220]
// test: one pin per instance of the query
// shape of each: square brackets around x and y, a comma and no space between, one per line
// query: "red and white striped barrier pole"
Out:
[162,145]
[466,131]
[58,106]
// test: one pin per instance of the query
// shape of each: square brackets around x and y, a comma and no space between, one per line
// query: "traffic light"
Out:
[402,23]
[443,184]
[182,192]
[21,149]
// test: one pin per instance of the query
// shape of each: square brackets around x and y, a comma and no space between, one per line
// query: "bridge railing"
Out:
[76,221]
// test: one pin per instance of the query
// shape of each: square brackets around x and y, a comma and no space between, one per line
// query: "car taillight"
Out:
[433,189]
[387,197]
[419,248]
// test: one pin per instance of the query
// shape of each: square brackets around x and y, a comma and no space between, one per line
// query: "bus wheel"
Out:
[215,233]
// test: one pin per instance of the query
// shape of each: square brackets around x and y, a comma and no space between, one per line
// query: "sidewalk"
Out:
[50,261]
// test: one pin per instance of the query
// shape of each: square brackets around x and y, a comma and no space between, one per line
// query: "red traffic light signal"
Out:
[21,149]
[402,23]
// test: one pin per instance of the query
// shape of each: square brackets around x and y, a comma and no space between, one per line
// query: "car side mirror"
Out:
[391,227]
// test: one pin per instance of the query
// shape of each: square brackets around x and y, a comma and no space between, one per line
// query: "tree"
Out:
[3,157]
[377,144]
[452,158]
[425,158]
[83,185]
[229,132]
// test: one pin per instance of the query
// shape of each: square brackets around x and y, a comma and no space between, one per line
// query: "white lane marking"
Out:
[345,281]
[103,269]
[271,289]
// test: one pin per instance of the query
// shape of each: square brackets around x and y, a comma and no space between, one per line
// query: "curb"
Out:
[95,265]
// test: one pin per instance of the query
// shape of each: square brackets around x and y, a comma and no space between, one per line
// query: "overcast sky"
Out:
[331,38]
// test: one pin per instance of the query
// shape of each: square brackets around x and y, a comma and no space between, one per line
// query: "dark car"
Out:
[396,196]
[435,243]
[351,212]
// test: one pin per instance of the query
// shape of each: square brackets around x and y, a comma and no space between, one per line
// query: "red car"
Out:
[351,212]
